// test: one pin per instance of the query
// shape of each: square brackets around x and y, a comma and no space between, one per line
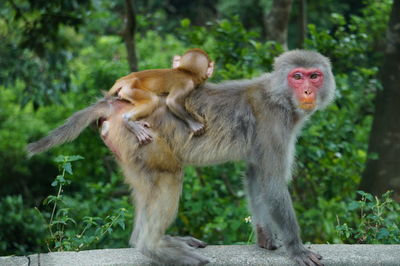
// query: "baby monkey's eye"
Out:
[297,76]
[314,76]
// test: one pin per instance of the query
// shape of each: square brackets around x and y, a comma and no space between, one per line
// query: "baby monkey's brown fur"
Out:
[143,88]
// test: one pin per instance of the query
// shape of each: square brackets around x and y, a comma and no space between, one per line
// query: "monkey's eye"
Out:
[297,76]
[314,76]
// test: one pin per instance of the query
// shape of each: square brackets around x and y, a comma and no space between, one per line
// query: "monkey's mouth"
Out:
[308,105]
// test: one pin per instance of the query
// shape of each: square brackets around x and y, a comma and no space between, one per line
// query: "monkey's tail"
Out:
[71,129]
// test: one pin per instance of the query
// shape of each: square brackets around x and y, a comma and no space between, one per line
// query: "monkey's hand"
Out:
[306,257]
[140,129]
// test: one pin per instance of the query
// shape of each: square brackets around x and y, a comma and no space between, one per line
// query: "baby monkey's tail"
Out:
[71,129]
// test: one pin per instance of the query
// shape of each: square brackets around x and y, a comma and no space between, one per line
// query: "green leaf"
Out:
[50,199]
[70,220]
[185,23]
[121,224]
[73,158]
[353,205]
[68,168]
[383,233]
[60,179]
[60,159]
[58,222]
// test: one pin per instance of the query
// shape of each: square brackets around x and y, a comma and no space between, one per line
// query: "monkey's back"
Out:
[161,81]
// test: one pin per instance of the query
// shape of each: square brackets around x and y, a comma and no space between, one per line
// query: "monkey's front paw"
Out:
[197,128]
[306,257]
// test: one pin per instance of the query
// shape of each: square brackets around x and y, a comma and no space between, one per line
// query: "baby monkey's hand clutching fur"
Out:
[143,89]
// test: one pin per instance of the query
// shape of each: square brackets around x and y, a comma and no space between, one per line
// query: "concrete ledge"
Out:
[344,255]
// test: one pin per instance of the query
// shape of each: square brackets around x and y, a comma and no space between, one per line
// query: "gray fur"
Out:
[256,121]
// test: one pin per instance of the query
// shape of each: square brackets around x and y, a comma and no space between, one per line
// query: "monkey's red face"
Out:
[306,82]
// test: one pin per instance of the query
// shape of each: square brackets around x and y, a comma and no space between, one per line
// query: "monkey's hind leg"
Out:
[145,102]
[175,102]
[156,203]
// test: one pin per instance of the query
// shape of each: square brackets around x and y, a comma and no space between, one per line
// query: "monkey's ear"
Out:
[176,61]
[210,69]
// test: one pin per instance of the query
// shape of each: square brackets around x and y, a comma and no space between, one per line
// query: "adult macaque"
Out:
[143,88]
[253,120]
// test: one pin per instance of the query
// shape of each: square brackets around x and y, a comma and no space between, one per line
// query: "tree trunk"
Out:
[277,20]
[129,34]
[383,173]
[302,23]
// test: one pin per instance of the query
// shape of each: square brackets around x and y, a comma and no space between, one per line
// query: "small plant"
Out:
[61,239]
[249,220]
[377,220]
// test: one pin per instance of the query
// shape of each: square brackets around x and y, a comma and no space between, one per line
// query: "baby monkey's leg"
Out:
[175,102]
[145,102]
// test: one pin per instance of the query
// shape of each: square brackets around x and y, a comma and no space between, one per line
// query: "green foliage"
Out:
[317,218]
[329,166]
[86,232]
[22,228]
[35,36]
[237,52]
[214,204]
[355,38]
[16,126]
[373,221]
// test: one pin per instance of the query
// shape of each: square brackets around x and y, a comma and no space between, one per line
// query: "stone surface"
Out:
[343,255]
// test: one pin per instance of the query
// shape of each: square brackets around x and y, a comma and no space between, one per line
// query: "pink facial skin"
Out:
[306,82]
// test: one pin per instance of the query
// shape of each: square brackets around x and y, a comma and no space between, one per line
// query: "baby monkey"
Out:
[143,88]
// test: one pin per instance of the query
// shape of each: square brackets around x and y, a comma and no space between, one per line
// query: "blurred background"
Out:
[57,57]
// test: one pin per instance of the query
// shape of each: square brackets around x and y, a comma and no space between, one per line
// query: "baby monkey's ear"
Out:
[210,69]
[176,61]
